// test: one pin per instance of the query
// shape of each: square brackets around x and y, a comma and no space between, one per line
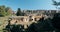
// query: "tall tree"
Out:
[19,13]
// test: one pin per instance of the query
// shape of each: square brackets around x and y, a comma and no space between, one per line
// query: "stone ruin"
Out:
[25,21]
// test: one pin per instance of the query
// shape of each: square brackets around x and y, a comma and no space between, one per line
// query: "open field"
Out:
[3,22]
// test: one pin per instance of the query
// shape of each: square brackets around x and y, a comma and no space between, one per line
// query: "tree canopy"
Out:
[4,10]
[19,12]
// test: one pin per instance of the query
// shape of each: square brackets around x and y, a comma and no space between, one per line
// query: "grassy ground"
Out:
[3,22]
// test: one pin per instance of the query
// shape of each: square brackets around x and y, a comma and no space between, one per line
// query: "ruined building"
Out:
[25,21]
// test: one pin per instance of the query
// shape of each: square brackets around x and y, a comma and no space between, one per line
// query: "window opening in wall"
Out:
[35,19]
[22,19]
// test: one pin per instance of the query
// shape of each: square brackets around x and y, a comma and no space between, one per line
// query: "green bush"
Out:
[1,15]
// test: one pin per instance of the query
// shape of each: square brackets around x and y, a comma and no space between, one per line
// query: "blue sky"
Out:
[28,4]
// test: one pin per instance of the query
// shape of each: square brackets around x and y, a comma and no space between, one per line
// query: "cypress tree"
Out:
[19,12]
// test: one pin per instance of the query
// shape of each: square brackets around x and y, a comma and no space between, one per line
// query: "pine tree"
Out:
[19,12]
